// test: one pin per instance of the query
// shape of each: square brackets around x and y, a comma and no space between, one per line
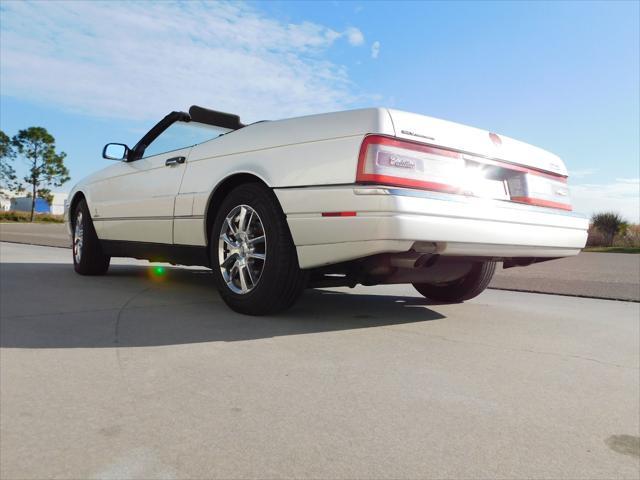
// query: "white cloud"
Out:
[585,172]
[375,49]
[621,196]
[140,60]
[355,36]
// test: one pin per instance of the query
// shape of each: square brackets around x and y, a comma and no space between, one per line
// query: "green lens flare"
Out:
[159,270]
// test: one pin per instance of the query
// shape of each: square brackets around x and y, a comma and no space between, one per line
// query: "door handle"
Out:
[174,161]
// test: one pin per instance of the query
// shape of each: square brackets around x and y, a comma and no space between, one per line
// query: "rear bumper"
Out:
[396,220]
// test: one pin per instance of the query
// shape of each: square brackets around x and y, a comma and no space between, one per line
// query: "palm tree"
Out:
[608,223]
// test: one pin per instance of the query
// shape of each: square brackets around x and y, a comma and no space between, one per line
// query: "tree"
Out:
[7,155]
[608,223]
[46,166]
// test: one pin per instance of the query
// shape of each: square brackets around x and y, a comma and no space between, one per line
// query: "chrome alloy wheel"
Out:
[78,238]
[242,249]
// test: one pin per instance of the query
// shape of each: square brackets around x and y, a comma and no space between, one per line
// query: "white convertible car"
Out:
[366,196]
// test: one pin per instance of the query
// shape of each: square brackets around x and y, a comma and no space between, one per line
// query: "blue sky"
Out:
[562,76]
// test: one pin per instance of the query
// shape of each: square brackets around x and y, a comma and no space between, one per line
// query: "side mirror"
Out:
[115,151]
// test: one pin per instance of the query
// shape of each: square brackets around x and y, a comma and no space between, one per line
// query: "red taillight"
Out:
[382,160]
[391,161]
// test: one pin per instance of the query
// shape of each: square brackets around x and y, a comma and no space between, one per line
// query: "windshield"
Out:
[181,135]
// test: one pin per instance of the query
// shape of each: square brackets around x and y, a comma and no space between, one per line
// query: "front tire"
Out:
[253,257]
[466,288]
[88,258]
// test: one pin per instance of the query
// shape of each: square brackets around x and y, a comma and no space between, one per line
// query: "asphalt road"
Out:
[135,376]
[50,234]
[600,275]
[597,275]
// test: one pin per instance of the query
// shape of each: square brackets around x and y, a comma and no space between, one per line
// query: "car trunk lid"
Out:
[475,141]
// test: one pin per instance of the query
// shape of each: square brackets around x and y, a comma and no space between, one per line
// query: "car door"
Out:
[141,199]
[138,198]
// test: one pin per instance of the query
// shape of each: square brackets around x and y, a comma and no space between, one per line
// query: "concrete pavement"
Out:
[136,376]
[599,275]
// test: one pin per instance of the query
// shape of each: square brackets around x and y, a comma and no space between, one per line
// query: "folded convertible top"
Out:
[213,117]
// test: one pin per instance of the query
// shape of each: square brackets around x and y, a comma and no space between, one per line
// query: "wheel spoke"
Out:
[259,239]
[234,268]
[232,229]
[225,238]
[258,256]
[248,226]
[243,281]
[241,219]
[228,262]
[250,273]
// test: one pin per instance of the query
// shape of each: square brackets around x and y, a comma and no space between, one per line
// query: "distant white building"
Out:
[23,204]
[57,207]
[5,199]
[11,201]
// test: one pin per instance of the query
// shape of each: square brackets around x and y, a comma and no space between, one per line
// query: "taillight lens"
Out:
[395,162]
[389,161]
[540,190]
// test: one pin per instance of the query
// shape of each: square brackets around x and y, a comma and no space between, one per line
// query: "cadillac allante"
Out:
[370,196]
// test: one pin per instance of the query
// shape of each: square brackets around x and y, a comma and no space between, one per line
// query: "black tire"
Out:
[466,288]
[281,281]
[91,260]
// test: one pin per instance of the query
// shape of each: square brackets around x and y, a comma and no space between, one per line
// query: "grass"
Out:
[612,249]
[20,217]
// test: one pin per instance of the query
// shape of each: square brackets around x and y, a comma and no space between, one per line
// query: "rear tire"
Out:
[270,284]
[466,288]
[88,258]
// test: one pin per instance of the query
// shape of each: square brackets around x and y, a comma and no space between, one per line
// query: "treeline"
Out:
[45,166]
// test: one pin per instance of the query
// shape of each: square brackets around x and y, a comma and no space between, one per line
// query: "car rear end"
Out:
[439,188]
[437,155]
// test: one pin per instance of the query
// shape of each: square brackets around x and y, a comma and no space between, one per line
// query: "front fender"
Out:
[75,194]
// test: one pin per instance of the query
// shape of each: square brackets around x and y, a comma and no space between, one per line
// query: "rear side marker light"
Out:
[338,214]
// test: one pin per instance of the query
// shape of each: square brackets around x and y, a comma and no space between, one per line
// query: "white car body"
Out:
[311,164]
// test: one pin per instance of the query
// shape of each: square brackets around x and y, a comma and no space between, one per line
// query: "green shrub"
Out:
[629,238]
[14,216]
[609,224]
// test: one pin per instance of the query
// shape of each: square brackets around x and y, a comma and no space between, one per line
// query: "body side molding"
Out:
[157,252]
